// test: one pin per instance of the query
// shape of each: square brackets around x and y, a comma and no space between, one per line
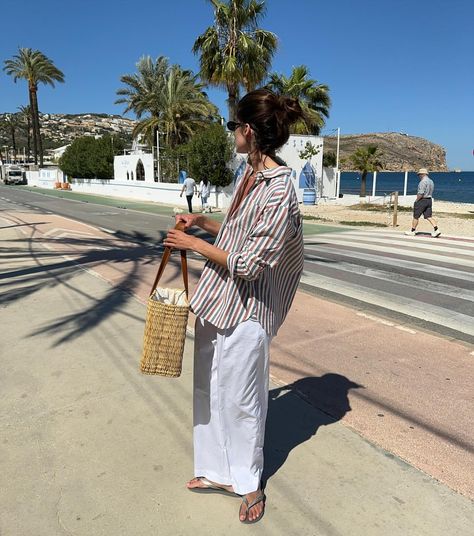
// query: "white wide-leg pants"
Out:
[230,403]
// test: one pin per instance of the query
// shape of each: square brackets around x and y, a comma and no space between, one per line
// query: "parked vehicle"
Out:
[12,175]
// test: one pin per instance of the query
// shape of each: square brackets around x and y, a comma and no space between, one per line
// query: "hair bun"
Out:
[291,108]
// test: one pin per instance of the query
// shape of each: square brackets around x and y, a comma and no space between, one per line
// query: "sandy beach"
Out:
[453,218]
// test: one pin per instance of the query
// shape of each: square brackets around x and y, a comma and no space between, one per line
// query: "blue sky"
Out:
[391,65]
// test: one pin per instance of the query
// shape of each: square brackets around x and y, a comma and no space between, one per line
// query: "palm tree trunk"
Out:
[363,184]
[38,128]
[35,138]
[233,98]
[12,128]
[28,136]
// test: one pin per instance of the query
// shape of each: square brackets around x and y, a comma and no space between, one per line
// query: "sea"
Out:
[457,187]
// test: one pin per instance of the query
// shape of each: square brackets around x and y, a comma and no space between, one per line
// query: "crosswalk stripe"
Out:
[401,251]
[400,279]
[396,244]
[428,312]
[388,261]
[458,241]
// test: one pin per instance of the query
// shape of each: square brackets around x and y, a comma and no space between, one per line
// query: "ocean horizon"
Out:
[452,186]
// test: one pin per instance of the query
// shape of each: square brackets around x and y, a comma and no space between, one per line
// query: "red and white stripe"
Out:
[265,240]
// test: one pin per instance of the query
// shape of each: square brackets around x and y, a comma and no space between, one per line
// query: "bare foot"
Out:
[253,512]
[197,483]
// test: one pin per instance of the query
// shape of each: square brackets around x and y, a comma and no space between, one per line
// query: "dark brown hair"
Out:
[270,117]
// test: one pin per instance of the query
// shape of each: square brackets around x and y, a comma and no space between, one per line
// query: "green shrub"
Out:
[209,154]
[90,158]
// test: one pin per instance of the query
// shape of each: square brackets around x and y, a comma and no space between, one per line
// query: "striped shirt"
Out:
[264,239]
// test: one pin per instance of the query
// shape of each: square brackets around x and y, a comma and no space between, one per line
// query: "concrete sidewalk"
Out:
[91,447]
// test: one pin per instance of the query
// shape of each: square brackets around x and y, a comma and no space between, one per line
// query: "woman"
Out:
[244,293]
[204,191]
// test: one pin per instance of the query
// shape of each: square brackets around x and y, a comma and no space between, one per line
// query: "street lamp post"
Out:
[338,173]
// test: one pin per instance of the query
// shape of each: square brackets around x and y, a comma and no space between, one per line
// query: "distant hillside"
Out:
[61,129]
[400,152]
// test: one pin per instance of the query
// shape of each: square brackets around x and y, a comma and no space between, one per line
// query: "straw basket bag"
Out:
[165,325]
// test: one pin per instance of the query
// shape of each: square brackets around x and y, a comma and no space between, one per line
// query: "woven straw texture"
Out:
[165,333]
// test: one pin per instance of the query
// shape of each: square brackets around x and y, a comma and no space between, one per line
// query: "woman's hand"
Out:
[189,220]
[179,240]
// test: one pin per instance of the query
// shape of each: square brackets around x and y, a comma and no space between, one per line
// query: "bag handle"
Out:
[164,261]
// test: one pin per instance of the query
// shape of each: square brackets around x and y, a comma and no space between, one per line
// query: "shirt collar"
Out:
[267,174]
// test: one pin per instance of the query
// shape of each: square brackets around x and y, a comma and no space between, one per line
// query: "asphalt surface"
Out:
[425,283]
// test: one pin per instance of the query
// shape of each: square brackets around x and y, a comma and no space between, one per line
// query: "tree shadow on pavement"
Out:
[53,268]
[296,411]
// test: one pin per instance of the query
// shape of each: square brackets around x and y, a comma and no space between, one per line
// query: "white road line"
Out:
[400,279]
[386,322]
[400,304]
[398,244]
[408,330]
[463,240]
[399,251]
[392,262]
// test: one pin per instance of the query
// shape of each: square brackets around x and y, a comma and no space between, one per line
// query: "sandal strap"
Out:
[260,498]
[210,485]
[206,482]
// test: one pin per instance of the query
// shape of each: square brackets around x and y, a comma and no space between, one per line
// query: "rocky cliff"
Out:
[400,152]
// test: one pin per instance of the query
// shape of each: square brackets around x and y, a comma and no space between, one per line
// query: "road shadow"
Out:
[296,412]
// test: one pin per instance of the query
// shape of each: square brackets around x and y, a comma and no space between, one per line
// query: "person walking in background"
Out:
[424,204]
[204,191]
[242,298]
[189,186]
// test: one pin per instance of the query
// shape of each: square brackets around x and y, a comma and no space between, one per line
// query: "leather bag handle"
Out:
[164,261]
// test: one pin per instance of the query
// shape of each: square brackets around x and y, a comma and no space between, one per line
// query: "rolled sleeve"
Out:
[264,246]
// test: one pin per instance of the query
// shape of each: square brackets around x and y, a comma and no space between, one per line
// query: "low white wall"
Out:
[160,192]
[349,199]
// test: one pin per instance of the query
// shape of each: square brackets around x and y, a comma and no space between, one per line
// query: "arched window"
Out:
[140,170]
[128,176]
[131,175]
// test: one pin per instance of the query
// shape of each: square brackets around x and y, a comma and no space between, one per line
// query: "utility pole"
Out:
[158,155]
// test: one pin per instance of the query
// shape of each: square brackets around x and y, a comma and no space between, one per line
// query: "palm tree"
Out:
[11,124]
[171,99]
[366,160]
[25,121]
[234,52]
[314,98]
[35,68]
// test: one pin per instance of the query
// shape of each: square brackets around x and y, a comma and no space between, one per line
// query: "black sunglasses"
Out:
[234,125]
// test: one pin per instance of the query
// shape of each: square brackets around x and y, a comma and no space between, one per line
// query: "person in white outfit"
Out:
[204,191]
[243,296]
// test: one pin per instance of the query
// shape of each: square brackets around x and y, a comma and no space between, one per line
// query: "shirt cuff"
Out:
[232,260]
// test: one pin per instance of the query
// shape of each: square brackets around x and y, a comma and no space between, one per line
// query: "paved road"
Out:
[420,282]
[429,282]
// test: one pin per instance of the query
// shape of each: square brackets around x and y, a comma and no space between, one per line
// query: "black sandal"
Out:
[260,498]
